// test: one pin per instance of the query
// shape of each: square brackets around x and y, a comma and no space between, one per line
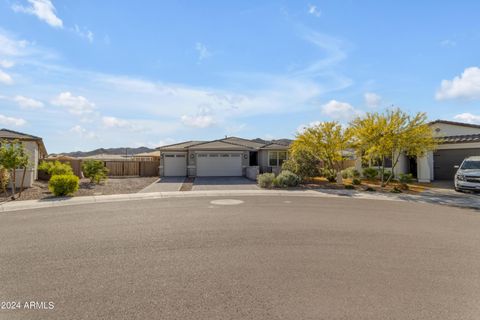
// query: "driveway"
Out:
[224,183]
[165,184]
[252,258]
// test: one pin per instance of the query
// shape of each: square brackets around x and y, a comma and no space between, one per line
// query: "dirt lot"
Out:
[111,186]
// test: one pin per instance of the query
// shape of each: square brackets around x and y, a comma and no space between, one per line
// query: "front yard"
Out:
[111,186]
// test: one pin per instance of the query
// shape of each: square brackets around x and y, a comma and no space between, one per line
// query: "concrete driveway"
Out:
[253,258]
[224,183]
[165,184]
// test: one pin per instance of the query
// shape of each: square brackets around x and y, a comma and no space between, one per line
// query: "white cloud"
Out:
[313,10]
[5,78]
[10,46]
[6,64]
[28,103]
[198,121]
[113,122]
[83,133]
[43,10]
[202,50]
[466,86]
[468,118]
[11,121]
[76,105]
[339,110]
[372,100]
[85,33]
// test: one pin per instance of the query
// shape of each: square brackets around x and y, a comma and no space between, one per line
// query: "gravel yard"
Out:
[111,186]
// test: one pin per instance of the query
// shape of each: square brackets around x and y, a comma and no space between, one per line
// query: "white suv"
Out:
[468,175]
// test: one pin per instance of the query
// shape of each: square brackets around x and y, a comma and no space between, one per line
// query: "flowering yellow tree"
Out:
[388,135]
[326,142]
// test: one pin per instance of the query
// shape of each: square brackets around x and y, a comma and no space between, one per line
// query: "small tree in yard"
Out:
[326,142]
[12,157]
[94,170]
[382,136]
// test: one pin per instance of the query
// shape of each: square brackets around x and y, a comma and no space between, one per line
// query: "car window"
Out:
[471,165]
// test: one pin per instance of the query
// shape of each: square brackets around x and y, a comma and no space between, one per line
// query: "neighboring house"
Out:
[457,141]
[147,156]
[35,149]
[230,156]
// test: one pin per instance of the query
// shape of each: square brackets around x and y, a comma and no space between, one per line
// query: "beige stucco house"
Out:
[457,141]
[35,149]
[230,156]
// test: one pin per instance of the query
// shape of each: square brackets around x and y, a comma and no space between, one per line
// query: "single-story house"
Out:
[230,156]
[147,156]
[457,141]
[35,149]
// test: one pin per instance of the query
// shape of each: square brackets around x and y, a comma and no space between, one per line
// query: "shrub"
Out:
[370,189]
[386,174]
[286,179]
[405,178]
[356,181]
[350,173]
[94,170]
[55,168]
[4,178]
[331,178]
[265,180]
[303,164]
[349,186]
[63,184]
[370,173]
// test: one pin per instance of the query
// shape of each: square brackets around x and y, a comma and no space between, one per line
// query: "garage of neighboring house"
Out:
[175,164]
[457,142]
[444,161]
[217,164]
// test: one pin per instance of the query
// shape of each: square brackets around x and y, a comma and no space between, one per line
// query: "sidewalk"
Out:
[464,202]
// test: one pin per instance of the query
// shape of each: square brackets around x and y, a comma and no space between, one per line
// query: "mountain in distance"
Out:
[110,151]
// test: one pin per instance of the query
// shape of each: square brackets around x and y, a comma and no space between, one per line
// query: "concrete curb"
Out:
[349,194]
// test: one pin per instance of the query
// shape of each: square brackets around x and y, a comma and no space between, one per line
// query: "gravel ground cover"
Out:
[111,186]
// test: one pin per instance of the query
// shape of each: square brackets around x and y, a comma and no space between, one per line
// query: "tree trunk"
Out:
[23,181]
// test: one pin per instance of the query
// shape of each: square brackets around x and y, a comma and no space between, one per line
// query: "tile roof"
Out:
[454,123]
[181,145]
[467,138]
[10,135]
[229,143]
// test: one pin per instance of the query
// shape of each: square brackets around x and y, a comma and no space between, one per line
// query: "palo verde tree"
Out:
[326,142]
[12,157]
[378,137]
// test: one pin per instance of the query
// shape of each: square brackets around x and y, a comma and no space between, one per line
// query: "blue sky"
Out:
[89,74]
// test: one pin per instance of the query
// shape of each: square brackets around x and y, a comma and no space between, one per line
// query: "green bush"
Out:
[356,181]
[55,168]
[405,178]
[286,179]
[349,186]
[396,190]
[63,184]
[4,178]
[94,170]
[265,180]
[370,189]
[303,164]
[370,173]
[386,174]
[350,173]
[331,178]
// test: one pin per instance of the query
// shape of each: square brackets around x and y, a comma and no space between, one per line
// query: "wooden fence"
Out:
[116,168]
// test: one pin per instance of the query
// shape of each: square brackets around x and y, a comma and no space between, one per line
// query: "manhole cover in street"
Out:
[226,202]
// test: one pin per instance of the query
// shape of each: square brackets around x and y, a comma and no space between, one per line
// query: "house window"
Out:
[276,158]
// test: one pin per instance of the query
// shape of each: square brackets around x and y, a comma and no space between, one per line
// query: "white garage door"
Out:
[219,165]
[174,165]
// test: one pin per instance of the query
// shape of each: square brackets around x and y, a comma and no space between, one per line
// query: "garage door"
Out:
[445,160]
[174,165]
[219,164]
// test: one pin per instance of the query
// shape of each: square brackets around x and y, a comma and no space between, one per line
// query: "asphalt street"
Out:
[257,258]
